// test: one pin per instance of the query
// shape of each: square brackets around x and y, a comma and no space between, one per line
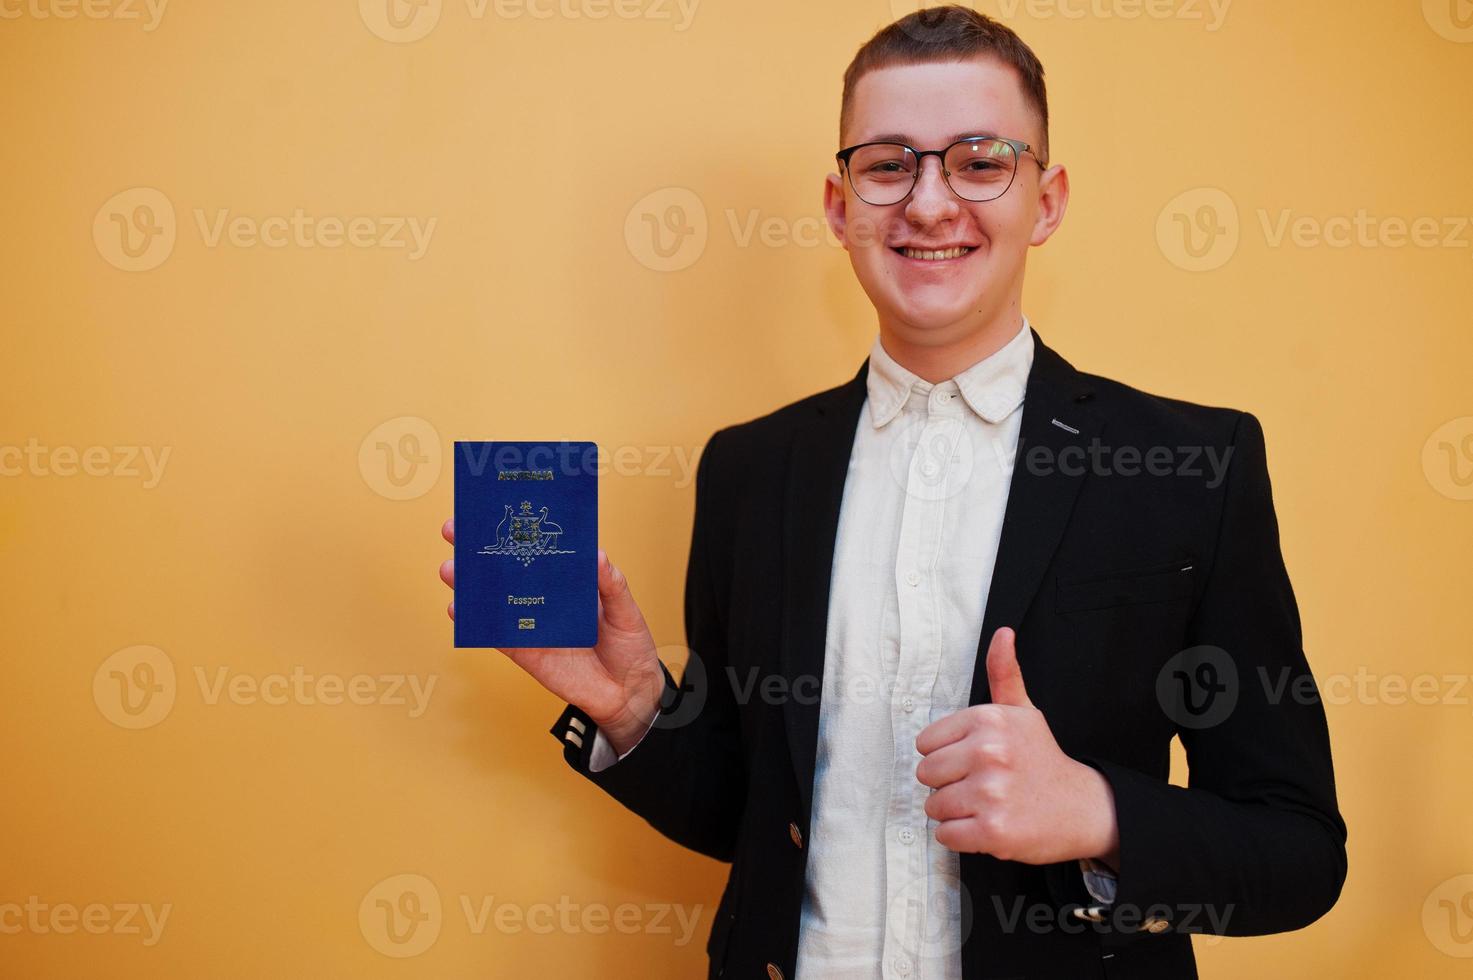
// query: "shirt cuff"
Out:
[1099,879]
[602,756]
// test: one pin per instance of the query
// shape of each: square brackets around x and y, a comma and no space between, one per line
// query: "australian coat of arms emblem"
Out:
[526,535]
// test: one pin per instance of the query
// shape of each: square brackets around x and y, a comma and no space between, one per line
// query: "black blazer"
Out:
[1147,604]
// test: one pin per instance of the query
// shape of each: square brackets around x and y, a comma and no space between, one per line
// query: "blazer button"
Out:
[796,835]
[773,973]
[1155,925]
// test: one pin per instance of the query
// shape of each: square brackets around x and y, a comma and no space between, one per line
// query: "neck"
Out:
[936,356]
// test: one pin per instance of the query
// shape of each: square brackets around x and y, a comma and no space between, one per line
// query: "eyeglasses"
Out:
[977,169]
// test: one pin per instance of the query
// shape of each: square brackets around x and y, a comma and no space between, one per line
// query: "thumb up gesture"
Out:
[1002,786]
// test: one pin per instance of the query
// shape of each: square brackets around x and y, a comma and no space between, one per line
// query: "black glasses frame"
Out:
[1019,148]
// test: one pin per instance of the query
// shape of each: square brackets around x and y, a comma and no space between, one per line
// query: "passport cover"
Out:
[526,544]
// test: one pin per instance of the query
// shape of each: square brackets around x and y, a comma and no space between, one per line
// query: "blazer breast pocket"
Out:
[1168,581]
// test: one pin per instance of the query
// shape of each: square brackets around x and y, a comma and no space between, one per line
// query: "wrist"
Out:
[1100,830]
[628,724]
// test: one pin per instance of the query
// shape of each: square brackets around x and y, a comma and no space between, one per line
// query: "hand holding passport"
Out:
[528,569]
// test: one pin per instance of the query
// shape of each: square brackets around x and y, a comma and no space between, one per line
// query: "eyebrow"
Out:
[980,133]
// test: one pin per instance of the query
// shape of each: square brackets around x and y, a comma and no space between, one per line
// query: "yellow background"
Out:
[535,313]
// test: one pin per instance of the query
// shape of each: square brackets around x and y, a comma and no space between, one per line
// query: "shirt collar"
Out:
[993,387]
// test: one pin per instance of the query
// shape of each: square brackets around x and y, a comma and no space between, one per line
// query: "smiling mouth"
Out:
[934,255]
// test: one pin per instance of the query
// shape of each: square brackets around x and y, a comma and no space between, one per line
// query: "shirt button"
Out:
[906,835]
[908,703]
[913,577]
[902,966]
[928,469]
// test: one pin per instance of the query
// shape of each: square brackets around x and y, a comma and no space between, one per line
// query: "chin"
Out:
[929,314]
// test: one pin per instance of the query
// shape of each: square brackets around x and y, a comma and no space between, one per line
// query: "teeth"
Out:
[932,256]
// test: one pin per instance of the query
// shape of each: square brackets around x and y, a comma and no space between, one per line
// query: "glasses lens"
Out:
[981,170]
[882,173]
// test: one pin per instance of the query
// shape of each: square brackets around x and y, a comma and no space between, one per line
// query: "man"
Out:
[946,618]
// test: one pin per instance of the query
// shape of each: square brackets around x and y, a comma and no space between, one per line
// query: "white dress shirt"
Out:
[917,539]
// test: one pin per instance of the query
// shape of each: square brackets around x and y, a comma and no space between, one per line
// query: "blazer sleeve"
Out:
[687,777]
[1255,843]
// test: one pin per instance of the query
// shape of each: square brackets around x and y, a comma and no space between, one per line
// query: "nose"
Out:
[931,201]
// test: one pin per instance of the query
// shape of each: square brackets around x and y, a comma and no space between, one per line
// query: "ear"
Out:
[1053,200]
[835,208]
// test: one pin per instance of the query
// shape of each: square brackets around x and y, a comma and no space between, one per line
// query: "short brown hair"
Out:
[950,33]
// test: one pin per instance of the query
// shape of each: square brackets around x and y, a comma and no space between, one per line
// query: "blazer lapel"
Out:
[817,467]
[1040,495]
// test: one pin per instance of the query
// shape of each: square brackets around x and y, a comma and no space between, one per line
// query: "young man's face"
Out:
[942,301]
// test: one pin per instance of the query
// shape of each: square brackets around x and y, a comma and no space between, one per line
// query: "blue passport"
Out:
[526,544]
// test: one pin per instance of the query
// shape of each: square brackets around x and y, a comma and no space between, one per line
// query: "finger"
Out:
[952,728]
[451,609]
[951,803]
[952,763]
[619,608]
[447,572]
[967,835]
[1004,676]
[447,530]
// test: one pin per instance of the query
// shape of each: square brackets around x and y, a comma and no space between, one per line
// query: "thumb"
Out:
[1004,676]
[619,607]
